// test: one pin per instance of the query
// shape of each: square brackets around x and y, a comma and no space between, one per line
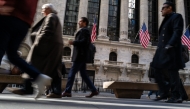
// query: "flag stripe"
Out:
[144,36]
[185,38]
[93,34]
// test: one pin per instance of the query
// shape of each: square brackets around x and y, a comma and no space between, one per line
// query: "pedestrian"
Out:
[16,17]
[152,80]
[47,42]
[81,44]
[168,55]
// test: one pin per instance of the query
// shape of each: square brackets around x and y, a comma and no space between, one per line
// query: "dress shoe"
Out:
[19,91]
[148,97]
[161,98]
[174,100]
[65,94]
[92,94]
[52,95]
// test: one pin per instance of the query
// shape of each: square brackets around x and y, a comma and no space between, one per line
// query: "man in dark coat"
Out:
[80,58]
[169,52]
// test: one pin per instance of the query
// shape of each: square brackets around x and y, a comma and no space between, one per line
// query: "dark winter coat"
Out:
[170,33]
[81,44]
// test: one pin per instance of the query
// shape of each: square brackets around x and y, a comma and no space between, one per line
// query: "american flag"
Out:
[186,38]
[93,35]
[144,36]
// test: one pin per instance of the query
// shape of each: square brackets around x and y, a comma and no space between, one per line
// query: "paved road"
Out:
[78,101]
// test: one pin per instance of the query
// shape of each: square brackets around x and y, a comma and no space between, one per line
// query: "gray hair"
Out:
[50,6]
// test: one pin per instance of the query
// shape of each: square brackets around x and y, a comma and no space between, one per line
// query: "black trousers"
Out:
[173,82]
[55,86]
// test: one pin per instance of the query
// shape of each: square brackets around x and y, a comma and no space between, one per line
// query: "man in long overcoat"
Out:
[169,52]
[46,51]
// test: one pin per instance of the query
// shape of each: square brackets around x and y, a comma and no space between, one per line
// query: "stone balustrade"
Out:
[115,63]
[136,66]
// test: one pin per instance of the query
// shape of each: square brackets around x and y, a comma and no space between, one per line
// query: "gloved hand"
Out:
[168,47]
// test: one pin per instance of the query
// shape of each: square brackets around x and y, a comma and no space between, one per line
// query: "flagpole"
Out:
[136,36]
[137,33]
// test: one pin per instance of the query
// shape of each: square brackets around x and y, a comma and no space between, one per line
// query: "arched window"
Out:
[66,51]
[113,56]
[135,59]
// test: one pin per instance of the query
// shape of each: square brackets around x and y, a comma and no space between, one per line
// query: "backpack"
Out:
[185,53]
[91,53]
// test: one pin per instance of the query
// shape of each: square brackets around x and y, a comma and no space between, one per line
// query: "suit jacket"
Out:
[81,44]
[170,33]
[46,50]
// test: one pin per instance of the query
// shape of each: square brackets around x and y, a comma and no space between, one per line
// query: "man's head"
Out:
[83,22]
[47,9]
[168,7]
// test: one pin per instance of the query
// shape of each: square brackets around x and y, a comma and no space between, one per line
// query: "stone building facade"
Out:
[119,55]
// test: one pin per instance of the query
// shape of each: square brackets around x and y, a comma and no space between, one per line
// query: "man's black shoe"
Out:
[174,100]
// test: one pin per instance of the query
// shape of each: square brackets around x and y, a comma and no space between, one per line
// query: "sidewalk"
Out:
[78,101]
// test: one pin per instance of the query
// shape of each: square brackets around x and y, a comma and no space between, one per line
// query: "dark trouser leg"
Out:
[71,77]
[28,86]
[150,93]
[86,78]
[182,91]
[14,31]
[56,85]
[161,82]
[175,83]
[5,35]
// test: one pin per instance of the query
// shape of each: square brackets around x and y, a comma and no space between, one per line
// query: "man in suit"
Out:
[80,58]
[168,55]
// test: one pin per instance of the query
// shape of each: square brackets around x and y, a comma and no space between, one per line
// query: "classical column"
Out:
[124,21]
[83,9]
[143,12]
[103,19]
[160,5]
[180,8]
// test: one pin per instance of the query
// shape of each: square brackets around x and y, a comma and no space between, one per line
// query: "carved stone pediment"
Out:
[113,50]
[135,52]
